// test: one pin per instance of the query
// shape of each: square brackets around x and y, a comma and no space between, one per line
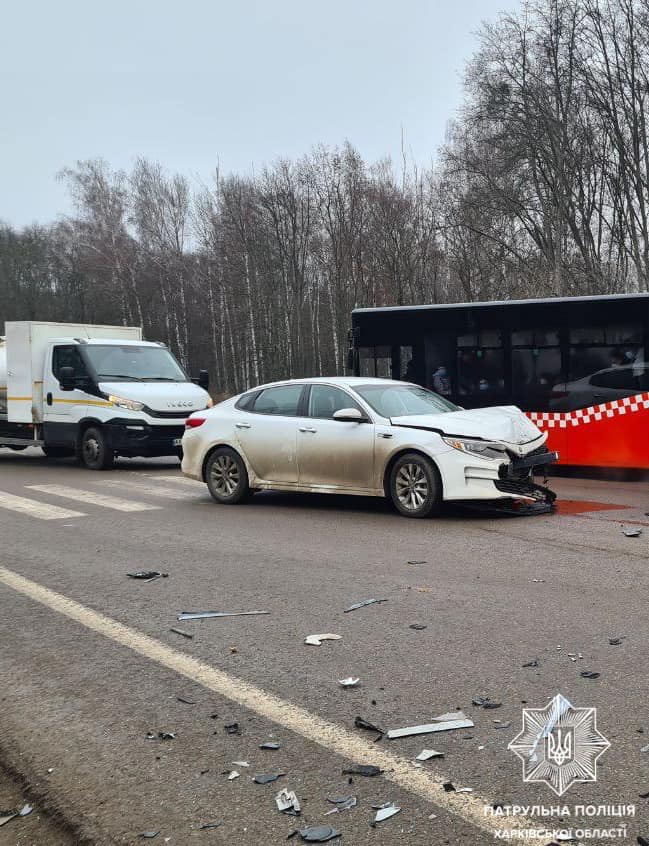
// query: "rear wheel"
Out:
[415,486]
[94,451]
[58,451]
[227,477]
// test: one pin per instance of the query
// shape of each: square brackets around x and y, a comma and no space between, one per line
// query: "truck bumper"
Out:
[139,438]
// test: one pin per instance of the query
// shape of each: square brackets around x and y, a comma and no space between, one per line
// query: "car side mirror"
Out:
[350,415]
[67,380]
[203,379]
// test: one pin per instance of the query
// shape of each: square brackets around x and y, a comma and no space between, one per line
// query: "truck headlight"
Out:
[482,449]
[128,404]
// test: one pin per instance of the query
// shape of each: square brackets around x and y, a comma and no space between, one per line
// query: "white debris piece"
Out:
[350,681]
[429,728]
[386,813]
[452,715]
[241,763]
[234,774]
[425,754]
[316,639]
[286,800]
[464,790]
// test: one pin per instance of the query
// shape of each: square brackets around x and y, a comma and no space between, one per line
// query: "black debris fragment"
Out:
[149,835]
[534,663]
[368,770]
[210,825]
[448,786]
[362,604]
[266,778]
[360,723]
[166,735]
[643,841]
[505,725]
[615,641]
[414,563]
[181,632]
[342,803]
[418,627]
[270,745]
[233,728]
[644,795]
[589,674]
[485,702]
[214,716]
[318,833]
[185,701]
[148,575]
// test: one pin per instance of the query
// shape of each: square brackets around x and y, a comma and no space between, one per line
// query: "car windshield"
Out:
[404,400]
[130,363]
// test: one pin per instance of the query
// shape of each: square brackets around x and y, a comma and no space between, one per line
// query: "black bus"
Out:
[575,364]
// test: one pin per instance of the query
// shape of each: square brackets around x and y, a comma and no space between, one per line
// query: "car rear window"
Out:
[282,400]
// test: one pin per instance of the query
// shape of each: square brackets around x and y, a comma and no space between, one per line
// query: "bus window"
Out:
[481,367]
[383,359]
[366,361]
[536,367]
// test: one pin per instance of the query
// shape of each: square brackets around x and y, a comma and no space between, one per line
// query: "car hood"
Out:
[160,396]
[505,424]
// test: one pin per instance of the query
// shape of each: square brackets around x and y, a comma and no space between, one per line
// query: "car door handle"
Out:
[383,435]
[307,429]
[243,425]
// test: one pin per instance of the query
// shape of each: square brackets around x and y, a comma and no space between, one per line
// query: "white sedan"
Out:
[369,437]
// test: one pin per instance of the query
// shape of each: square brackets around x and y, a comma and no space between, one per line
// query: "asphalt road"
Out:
[78,693]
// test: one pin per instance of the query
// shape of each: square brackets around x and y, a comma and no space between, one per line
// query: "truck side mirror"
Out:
[67,380]
[203,379]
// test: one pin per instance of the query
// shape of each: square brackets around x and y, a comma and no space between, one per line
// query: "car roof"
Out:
[343,381]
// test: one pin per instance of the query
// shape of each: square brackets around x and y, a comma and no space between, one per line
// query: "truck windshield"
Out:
[404,400]
[130,363]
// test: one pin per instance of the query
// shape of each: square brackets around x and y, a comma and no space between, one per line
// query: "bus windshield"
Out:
[131,363]
[404,400]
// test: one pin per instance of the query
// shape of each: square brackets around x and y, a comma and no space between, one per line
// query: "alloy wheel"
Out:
[412,486]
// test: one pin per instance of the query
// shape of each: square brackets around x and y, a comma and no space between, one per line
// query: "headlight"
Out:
[128,404]
[479,448]
[210,402]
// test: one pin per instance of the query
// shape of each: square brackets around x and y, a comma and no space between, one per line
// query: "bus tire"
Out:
[94,451]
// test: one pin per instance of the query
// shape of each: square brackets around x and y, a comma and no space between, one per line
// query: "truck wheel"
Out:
[94,452]
[57,452]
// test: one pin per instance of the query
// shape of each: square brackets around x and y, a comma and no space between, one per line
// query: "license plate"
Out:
[177,442]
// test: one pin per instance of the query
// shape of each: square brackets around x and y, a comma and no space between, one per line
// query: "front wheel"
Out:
[94,452]
[227,477]
[415,486]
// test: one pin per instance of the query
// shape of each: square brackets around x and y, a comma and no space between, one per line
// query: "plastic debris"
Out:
[316,639]
[25,811]
[368,770]
[451,715]
[202,615]
[589,674]
[449,787]
[538,581]
[418,627]
[234,650]
[632,533]
[149,835]
[267,778]
[360,723]
[363,604]
[181,632]
[210,825]
[234,774]
[6,816]
[429,728]
[645,748]
[615,641]
[386,812]
[342,803]
[501,725]
[232,728]
[185,701]
[643,795]
[161,735]
[464,790]
[415,563]
[427,754]
[287,802]
[318,833]
[148,575]
[270,745]
[432,816]
[241,763]
[485,702]
[534,663]
[643,841]
[350,681]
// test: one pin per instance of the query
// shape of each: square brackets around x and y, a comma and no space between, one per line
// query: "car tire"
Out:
[227,477]
[94,452]
[58,452]
[415,486]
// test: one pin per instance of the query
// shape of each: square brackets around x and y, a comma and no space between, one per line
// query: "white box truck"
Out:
[93,391]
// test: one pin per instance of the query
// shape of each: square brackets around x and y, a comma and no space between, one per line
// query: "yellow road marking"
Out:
[331,737]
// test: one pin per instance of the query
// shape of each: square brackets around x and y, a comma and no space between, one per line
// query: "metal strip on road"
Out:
[33,508]
[93,498]
[310,726]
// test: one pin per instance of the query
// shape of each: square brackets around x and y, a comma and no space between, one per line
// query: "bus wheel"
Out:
[95,453]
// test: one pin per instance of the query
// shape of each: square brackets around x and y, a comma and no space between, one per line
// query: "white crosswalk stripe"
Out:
[153,490]
[32,508]
[92,498]
[183,480]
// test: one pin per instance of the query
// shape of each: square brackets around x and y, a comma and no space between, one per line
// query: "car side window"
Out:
[68,357]
[282,400]
[325,400]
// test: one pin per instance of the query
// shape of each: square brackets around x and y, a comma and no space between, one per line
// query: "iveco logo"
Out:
[180,404]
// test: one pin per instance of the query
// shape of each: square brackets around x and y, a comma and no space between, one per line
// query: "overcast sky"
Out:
[242,82]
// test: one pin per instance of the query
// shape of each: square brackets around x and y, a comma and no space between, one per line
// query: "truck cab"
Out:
[94,392]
